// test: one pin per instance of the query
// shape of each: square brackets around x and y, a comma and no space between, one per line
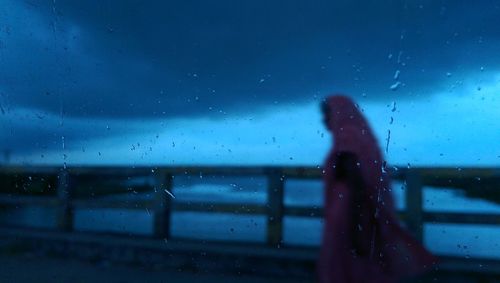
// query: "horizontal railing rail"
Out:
[160,180]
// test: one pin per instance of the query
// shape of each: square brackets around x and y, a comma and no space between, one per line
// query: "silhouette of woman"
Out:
[362,239]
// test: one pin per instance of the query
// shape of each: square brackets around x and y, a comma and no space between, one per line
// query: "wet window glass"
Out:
[201,139]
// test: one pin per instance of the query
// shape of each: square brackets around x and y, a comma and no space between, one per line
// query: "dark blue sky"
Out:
[93,70]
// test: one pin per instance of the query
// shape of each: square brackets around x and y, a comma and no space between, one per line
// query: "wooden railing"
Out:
[62,195]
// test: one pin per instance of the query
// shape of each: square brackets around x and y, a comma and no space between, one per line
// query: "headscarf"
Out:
[394,254]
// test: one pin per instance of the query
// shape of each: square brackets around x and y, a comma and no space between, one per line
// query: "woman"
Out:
[362,240]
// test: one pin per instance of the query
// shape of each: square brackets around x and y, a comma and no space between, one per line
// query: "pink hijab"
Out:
[393,253]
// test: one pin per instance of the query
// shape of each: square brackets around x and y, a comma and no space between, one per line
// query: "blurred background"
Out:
[199,105]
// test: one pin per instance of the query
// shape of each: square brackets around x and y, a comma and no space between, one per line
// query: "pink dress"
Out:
[390,253]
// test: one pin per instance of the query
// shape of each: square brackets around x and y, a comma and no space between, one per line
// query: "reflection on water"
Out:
[33,216]
[114,220]
[219,226]
[463,240]
[448,239]
[302,230]
[221,189]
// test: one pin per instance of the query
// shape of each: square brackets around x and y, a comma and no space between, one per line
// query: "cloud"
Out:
[106,75]
[426,131]
[29,131]
[195,58]
[439,131]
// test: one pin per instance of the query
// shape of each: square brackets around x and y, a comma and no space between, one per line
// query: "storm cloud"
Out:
[78,74]
[137,59]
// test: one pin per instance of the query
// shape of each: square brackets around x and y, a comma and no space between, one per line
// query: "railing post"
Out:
[414,203]
[275,208]
[162,205]
[65,209]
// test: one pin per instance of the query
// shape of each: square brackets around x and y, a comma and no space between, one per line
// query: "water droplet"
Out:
[393,106]
[396,75]
[388,141]
[395,86]
[169,193]
[399,56]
